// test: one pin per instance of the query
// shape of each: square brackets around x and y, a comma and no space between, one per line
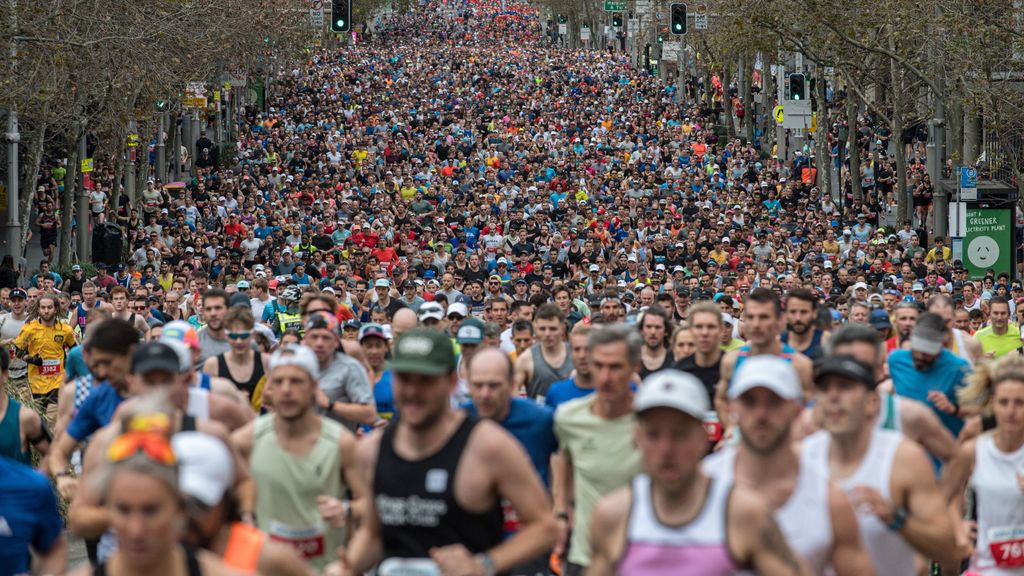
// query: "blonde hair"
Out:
[982,382]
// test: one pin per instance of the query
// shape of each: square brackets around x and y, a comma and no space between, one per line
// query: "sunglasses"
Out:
[141,308]
[154,446]
[239,335]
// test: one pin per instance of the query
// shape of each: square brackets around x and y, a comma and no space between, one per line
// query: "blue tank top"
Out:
[814,351]
[204,381]
[744,352]
[10,434]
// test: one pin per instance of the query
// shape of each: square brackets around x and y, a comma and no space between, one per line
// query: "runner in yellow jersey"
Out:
[42,343]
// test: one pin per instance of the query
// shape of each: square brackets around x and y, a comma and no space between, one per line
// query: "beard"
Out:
[799,327]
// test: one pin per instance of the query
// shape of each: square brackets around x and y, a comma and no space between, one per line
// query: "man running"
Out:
[581,384]
[547,361]
[10,325]
[438,477]
[674,519]
[762,319]
[814,514]
[655,327]
[1000,337]
[300,461]
[801,320]
[900,510]
[905,316]
[43,343]
[213,338]
[20,426]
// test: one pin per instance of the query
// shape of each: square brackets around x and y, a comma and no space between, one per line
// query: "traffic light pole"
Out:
[780,132]
[13,138]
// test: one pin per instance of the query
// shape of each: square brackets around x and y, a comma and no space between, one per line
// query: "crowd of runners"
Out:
[463,302]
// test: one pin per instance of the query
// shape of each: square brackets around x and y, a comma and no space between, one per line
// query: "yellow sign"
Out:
[216,95]
[195,101]
[227,85]
[87,165]
[133,140]
[779,115]
[814,121]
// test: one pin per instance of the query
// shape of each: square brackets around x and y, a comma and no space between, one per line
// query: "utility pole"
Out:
[176,142]
[780,132]
[13,137]
[130,159]
[82,232]
[935,149]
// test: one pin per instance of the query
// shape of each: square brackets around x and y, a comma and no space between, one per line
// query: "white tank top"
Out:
[699,547]
[961,349]
[889,415]
[1000,546]
[890,553]
[804,519]
[198,403]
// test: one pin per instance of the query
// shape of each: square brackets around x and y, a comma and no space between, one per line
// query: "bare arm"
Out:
[523,370]
[849,558]
[241,442]
[563,491]
[65,404]
[54,560]
[60,461]
[229,412]
[722,390]
[973,348]
[607,524]
[365,549]
[921,425]
[35,431]
[210,366]
[755,536]
[927,527]
[87,517]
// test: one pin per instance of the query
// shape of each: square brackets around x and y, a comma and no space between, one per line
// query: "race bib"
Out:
[49,368]
[511,519]
[1007,547]
[309,542]
[408,567]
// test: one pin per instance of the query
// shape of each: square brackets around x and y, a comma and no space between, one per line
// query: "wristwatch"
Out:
[487,562]
[899,518]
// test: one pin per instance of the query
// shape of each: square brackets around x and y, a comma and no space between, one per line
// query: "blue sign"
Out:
[968,177]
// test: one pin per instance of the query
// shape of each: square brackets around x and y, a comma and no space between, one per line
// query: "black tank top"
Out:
[257,372]
[416,501]
[666,363]
[191,563]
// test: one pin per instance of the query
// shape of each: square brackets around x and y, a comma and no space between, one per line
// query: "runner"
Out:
[213,339]
[1000,337]
[655,327]
[10,326]
[674,519]
[899,507]
[598,455]
[581,384]
[344,393]
[457,468]
[42,344]
[31,521]
[905,316]
[991,466]
[814,514]
[801,316]
[242,366]
[301,462]
[549,360]
[20,426]
[958,341]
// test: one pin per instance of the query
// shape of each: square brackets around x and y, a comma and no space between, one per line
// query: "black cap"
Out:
[18,293]
[153,356]
[847,367]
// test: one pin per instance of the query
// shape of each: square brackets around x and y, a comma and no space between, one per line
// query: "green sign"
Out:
[614,6]
[988,241]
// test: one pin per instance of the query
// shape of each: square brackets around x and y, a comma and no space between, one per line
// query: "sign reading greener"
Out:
[614,5]
[989,241]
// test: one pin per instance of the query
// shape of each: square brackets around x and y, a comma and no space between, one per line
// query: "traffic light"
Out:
[797,83]
[617,20]
[661,39]
[341,15]
[677,25]
[562,19]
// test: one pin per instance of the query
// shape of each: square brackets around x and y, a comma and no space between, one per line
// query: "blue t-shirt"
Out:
[96,412]
[534,426]
[946,375]
[74,364]
[564,390]
[384,397]
[28,516]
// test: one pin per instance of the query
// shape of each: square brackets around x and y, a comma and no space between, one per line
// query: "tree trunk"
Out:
[728,111]
[68,202]
[746,93]
[33,156]
[853,147]
[116,189]
[824,163]
[900,187]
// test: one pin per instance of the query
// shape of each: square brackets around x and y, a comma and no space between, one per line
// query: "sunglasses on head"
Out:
[154,446]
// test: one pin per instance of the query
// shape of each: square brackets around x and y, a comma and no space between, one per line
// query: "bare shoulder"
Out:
[214,428]
[242,438]
[729,360]
[367,448]
[915,466]
[491,441]
[747,510]
[613,508]
[212,564]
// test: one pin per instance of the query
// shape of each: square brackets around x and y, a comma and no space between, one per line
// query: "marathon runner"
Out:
[455,468]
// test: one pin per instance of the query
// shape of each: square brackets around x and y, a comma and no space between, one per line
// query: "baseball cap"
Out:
[766,371]
[827,264]
[917,287]
[595,268]
[860,285]
[243,284]
[471,331]
[431,310]
[180,331]
[371,330]
[458,308]
[880,319]
[847,367]
[296,355]
[156,356]
[18,293]
[321,321]
[927,338]
[76,268]
[423,351]
[673,389]
[205,466]
[382,283]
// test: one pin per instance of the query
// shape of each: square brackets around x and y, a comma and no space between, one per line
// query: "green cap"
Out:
[471,331]
[423,351]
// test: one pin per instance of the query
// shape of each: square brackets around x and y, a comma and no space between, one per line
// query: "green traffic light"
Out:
[340,23]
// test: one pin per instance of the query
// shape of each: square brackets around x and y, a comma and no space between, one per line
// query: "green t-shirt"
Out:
[604,458]
[999,346]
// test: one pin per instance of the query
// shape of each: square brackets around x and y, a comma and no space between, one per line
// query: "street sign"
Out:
[614,5]
[87,165]
[988,241]
[195,95]
[700,22]
[316,14]
[563,29]
[670,51]
[585,33]
[643,6]
[780,114]
[133,140]
[797,114]
[968,184]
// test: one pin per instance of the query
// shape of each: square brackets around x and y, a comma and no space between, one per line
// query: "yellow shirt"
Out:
[49,343]
[933,256]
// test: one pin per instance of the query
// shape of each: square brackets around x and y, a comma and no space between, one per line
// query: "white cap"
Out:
[827,264]
[430,310]
[458,308]
[595,268]
[205,466]
[860,285]
[296,355]
[766,371]
[673,389]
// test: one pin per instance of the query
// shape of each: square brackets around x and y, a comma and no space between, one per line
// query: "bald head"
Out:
[490,383]
[404,319]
